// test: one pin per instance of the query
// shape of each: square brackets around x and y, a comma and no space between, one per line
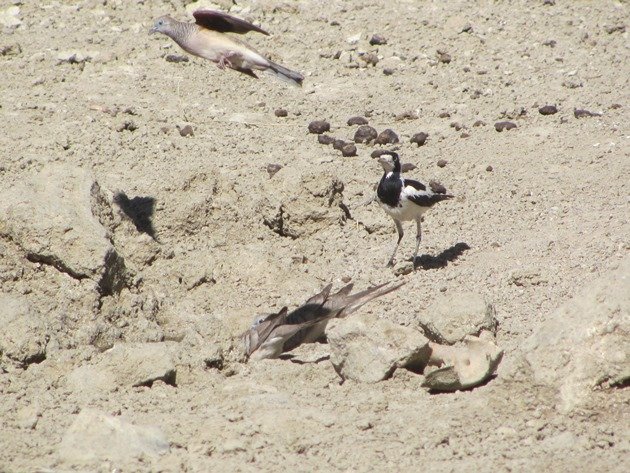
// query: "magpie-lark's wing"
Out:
[419,186]
[423,198]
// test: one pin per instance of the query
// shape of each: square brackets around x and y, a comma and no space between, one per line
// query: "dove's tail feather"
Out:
[356,301]
[286,74]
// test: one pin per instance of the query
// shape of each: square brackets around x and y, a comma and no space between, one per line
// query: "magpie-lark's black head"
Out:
[390,161]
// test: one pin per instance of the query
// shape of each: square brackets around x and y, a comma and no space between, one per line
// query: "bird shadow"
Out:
[139,210]
[441,260]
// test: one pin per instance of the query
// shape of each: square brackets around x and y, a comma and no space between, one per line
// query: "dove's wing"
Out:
[224,23]
[311,309]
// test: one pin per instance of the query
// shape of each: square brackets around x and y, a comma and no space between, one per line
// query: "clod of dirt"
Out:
[462,367]
[325,139]
[127,125]
[318,127]
[186,130]
[444,114]
[388,71]
[386,137]
[443,56]
[406,115]
[349,149]
[479,123]
[370,58]
[489,168]
[581,113]
[365,134]
[406,167]
[437,187]
[272,169]
[357,121]
[442,163]
[378,39]
[500,126]
[419,138]
[548,110]
[176,58]
[280,113]
[458,126]
[464,135]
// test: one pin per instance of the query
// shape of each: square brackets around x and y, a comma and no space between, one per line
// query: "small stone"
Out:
[272,169]
[186,130]
[465,135]
[386,137]
[176,58]
[444,114]
[377,153]
[419,138]
[339,144]
[580,113]
[377,40]
[436,187]
[548,110]
[406,167]
[458,126]
[388,71]
[370,58]
[549,3]
[407,115]
[318,127]
[325,139]
[281,113]
[616,29]
[442,163]
[365,134]
[479,123]
[10,49]
[128,125]
[349,149]
[357,121]
[489,168]
[500,126]
[443,56]
[550,42]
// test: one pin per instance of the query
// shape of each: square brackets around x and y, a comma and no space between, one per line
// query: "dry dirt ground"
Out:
[181,240]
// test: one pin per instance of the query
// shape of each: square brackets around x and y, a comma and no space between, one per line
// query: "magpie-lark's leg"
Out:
[418,239]
[399,229]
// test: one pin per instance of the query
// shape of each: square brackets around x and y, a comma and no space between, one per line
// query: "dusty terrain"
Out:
[116,231]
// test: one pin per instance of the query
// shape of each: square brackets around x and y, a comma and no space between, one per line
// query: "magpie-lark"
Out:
[404,199]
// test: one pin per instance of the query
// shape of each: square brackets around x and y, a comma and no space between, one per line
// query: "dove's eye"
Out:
[160,22]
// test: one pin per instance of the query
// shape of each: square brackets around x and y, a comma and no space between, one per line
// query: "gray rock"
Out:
[23,336]
[53,218]
[584,344]
[96,437]
[367,349]
[463,366]
[453,316]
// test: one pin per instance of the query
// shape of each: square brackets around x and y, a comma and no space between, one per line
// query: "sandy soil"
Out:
[540,212]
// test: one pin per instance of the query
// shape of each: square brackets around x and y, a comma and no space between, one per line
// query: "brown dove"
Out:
[274,334]
[208,38]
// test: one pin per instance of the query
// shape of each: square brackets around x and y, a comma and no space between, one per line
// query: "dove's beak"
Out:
[153,30]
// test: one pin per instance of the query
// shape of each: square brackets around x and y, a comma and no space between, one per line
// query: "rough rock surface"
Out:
[369,349]
[24,336]
[585,344]
[98,437]
[451,317]
[53,217]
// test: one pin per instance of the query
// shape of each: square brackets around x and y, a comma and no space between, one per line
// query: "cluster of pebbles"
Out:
[364,134]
